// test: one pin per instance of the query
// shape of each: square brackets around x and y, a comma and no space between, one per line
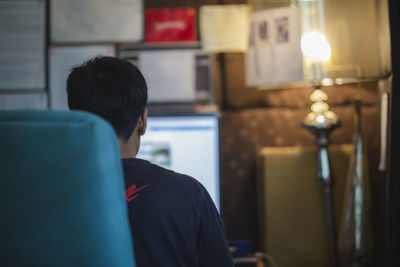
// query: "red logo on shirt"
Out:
[131,192]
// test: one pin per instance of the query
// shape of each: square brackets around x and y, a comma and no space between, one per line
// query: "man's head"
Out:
[112,88]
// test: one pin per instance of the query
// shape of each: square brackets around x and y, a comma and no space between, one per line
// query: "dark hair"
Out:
[110,87]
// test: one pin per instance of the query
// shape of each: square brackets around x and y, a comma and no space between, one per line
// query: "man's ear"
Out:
[142,122]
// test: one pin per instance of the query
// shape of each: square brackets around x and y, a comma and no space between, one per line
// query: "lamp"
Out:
[356,55]
[317,51]
[321,122]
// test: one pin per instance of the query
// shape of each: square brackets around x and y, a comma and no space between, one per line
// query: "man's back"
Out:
[173,219]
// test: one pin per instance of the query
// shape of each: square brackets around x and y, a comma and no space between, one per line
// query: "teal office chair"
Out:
[61,191]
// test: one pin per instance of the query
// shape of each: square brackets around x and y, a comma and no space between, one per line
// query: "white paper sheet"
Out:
[22,44]
[224,28]
[96,20]
[274,54]
[62,59]
[170,75]
[23,101]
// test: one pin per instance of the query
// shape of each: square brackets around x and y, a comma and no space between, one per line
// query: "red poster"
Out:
[171,25]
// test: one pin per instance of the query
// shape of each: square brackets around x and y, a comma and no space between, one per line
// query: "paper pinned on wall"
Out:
[96,20]
[224,28]
[274,54]
[62,59]
[172,78]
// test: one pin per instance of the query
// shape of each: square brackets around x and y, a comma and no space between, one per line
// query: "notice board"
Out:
[22,45]
[32,100]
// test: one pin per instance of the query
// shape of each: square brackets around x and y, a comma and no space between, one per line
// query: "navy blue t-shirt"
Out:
[173,219]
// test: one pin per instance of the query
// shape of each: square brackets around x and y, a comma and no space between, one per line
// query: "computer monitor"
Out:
[185,144]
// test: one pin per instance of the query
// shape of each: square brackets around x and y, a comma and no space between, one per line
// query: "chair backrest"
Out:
[61,191]
[292,222]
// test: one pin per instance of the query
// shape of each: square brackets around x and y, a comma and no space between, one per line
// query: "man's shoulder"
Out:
[140,169]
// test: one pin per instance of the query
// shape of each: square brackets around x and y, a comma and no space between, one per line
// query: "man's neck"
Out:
[128,149]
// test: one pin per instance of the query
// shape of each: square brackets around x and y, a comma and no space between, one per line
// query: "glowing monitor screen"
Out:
[185,144]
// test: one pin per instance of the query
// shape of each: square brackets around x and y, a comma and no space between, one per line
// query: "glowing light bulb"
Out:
[315,46]
[318,95]
[319,107]
[320,119]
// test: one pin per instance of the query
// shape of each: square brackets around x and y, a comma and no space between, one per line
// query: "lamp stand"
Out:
[321,122]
